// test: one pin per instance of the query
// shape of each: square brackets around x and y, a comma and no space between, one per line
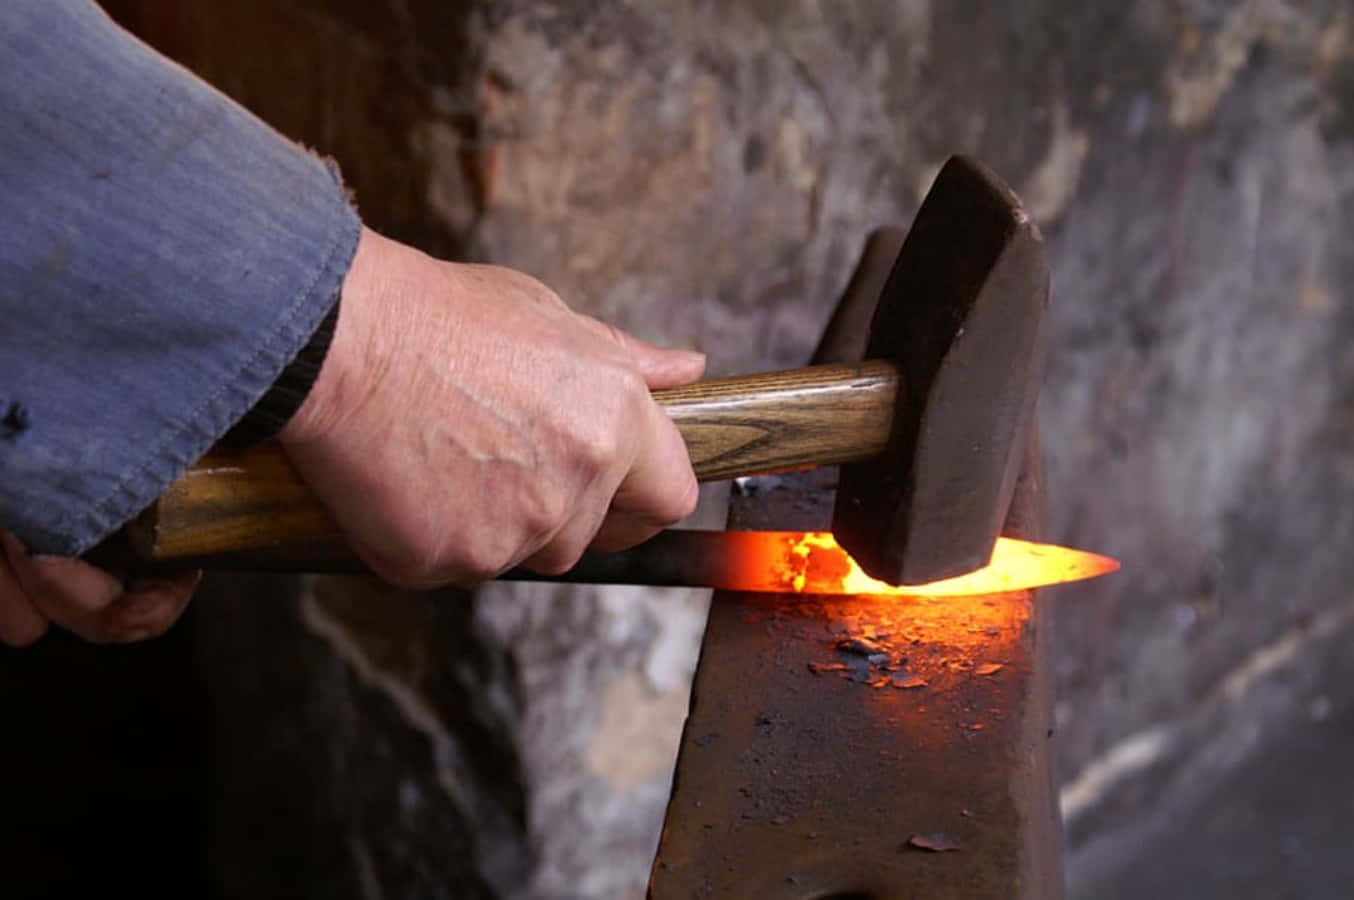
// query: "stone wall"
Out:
[703,174]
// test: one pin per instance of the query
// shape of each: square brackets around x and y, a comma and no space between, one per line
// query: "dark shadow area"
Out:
[102,762]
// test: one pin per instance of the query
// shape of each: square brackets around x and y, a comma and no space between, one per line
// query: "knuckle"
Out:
[484,554]
[558,559]
[483,563]
[544,508]
[598,447]
[685,502]
[464,556]
[634,386]
[626,414]
[406,563]
[425,567]
[673,502]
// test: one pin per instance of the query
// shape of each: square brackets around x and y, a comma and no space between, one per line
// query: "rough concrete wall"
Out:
[703,174]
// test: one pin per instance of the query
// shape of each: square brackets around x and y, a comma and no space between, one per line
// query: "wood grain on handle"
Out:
[236,502]
[753,424]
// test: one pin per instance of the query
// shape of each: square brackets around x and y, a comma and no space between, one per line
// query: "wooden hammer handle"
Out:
[232,503]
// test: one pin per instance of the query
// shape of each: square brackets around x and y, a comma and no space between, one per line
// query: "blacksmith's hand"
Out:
[466,421]
[38,591]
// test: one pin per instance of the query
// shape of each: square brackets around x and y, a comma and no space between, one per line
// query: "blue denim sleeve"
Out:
[163,256]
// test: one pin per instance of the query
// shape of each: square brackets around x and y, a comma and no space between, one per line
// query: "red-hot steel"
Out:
[813,563]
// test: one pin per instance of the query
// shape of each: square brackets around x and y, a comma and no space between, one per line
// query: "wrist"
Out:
[335,380]
[267,418]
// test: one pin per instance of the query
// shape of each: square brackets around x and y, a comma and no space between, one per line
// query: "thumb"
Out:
[660,367]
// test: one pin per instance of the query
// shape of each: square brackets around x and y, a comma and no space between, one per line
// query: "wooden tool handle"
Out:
[232,503]
[754,424]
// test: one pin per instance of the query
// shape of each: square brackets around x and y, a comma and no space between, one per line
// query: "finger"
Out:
[660,367]
[669,368]
[402,572]
[67,591]
[621,530]
[558,556]
[660,487]
[147,609]
[20,622]
[561,552]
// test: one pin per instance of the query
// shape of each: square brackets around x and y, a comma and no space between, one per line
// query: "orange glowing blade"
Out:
[813,563]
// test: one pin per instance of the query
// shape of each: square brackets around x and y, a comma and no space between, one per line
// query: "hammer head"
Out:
[962,315]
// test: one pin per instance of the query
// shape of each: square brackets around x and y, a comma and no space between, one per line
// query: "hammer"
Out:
[929,430]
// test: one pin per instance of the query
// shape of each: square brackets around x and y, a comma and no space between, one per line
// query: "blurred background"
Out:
[704,174]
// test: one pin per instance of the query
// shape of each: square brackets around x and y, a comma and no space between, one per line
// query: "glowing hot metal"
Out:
[818,565]
[813,563]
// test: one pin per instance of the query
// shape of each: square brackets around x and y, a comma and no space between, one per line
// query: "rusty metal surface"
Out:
[825,733]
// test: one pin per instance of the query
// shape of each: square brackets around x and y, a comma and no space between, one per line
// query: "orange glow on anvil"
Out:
[813,563]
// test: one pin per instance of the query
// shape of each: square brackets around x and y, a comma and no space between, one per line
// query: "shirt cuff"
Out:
[166,257]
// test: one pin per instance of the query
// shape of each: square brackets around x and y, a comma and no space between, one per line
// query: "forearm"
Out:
[165,255]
